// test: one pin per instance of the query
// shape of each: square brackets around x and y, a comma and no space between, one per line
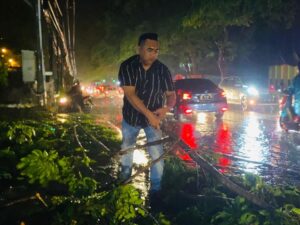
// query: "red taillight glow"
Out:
[224,109]
[188,135]
[188,111]
[186,95]
[185,109]
[186,157]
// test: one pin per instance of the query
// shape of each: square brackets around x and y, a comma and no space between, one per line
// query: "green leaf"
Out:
[40,166]
[249,218]
[7,153]
[296,211]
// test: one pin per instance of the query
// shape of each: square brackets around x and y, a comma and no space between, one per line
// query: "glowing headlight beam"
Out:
[63,100]
[253,91]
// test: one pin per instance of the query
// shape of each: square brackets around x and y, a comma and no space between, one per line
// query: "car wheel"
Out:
[87,108]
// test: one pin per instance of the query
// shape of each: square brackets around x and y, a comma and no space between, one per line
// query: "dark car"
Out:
[198,95]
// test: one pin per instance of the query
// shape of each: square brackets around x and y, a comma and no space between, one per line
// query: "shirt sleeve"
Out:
[126,75]
[167,80]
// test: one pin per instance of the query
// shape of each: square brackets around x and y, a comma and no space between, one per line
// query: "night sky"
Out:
[17,28]
[17,31]
[280,45]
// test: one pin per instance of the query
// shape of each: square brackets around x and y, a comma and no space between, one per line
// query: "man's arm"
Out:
[171,100]
[137,103]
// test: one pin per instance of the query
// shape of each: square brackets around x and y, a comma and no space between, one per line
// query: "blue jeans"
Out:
[130,134]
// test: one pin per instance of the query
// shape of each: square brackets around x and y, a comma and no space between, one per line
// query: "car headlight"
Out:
[63,100]
[252,91]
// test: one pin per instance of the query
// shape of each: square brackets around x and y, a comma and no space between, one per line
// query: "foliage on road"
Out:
[47,172]
[52,171]
[192,197]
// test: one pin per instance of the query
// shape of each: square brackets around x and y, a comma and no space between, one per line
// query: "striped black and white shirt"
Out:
[150,87]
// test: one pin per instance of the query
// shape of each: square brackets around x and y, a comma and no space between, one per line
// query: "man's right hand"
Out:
[154,120]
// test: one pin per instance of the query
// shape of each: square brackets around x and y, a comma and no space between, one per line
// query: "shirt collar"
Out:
[138,63]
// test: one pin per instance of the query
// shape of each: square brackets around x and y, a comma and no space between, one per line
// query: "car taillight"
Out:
[186,109]
[224,109]
[186,95]
[222,93]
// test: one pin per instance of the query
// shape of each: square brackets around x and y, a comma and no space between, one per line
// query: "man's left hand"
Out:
[161,112]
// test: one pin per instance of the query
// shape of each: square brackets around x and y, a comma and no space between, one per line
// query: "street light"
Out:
[4,50]
[11,62]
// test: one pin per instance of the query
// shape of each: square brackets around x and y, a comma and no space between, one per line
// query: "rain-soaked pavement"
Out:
[240,142]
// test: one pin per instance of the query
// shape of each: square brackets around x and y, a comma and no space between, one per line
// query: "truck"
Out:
[281,76]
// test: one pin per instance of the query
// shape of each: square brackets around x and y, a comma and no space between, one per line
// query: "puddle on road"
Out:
[243,143]
[140,158]
[252,144]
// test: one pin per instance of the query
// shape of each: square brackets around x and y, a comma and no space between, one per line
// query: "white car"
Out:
[239,93]
[249,97]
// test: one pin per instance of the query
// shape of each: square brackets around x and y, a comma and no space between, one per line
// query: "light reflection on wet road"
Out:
[244,142]
[240,142]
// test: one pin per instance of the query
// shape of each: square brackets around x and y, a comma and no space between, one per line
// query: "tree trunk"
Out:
[221,61]
[191,65]
[194,68]
[227,182]
[221,56]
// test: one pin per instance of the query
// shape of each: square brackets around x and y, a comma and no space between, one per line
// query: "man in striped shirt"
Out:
[147,85]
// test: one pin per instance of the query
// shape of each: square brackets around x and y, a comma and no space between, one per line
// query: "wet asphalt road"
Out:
[241,142]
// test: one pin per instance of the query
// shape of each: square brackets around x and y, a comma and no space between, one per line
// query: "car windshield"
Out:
[232,82]
[196,85]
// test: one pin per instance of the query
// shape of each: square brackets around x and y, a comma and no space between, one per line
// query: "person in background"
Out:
[76,96]
[147,85]
[294,90]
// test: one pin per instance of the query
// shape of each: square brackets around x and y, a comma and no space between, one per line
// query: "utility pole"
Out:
[41,83]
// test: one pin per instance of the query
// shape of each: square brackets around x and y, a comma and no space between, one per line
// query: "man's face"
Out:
[149,51]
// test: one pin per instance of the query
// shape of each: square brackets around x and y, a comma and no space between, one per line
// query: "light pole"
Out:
[41,83]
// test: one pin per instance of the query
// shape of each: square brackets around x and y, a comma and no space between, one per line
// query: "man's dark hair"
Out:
[144,36]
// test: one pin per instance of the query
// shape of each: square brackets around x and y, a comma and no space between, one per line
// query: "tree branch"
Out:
[145,168]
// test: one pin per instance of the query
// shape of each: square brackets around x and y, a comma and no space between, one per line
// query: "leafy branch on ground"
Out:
[45,173]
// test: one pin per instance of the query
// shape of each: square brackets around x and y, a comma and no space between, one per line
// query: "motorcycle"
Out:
[66,104]
[288,120]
